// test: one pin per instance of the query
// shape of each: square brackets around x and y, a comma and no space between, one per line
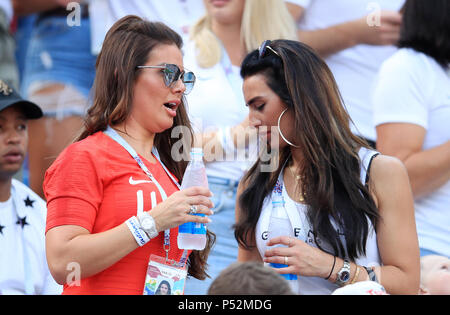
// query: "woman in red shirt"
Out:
[98,195]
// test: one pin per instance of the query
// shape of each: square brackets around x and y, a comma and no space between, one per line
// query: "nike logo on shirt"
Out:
[138,182]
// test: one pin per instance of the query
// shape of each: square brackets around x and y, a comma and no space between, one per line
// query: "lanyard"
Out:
[116,137]
[293,214]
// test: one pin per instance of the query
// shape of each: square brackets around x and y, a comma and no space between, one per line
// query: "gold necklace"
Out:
[297,179]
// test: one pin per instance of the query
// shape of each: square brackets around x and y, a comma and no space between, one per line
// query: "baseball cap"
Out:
[9,97]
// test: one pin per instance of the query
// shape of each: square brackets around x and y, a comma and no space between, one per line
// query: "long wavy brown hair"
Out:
[127,45]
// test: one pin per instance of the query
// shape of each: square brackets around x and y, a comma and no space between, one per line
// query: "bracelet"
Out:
[332,268]
[356,275]
[371,273]
[139,235]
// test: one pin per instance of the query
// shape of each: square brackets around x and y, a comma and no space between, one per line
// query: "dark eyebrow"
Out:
[20,117]
[254,100]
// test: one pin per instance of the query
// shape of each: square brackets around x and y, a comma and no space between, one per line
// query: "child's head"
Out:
[435,275]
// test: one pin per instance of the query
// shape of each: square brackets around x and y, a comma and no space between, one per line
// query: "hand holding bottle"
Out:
[193,236]
[174,211]
[298,257]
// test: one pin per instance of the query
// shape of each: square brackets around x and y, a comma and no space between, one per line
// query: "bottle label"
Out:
[285,276]
[193,227]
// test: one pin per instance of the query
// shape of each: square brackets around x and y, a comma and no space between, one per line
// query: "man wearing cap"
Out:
[23,264]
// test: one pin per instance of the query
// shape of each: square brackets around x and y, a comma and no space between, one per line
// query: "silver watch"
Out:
[148,224]
[343,275]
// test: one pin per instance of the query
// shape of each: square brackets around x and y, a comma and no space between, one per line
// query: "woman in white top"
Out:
[219,42]
[347,226]
[412,112]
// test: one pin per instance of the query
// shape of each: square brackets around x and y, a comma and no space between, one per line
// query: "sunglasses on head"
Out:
[172,74]
[264,48]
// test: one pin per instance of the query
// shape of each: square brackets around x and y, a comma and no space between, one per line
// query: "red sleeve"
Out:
[73,189]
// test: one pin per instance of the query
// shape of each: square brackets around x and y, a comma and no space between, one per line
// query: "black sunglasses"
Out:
[172,74]
[264,47]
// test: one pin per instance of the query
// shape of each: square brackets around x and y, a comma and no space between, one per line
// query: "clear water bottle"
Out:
[280,225]
[192,235]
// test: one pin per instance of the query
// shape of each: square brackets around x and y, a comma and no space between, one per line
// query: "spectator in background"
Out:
[354,43]
[23,265]
[8,68]
[22,37]
[177,14]
[58,75]
[249,278]
[219,42]
[411,104]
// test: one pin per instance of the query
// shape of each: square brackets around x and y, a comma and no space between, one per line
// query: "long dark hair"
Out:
[426,28]
[169,289]
[331,170]
[127,45]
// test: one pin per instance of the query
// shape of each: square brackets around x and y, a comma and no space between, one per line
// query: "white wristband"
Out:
[135,228]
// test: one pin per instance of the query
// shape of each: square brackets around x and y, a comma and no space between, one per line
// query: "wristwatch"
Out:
[148,224]
[343,275]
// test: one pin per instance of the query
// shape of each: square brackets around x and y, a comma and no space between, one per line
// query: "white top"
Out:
[413,88]
[354,68]
[7,8]
[217,101]
[303,231]
[22,223]
[177,14]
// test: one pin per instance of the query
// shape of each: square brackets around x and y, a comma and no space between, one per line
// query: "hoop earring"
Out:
[281,134]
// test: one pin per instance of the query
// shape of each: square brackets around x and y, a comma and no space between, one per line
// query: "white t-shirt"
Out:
[354,68]
[5,5]
[302,230]
[413,88]
[217,101]
[177,14]
[23,264]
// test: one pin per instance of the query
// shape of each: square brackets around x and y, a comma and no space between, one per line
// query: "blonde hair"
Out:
[261,20]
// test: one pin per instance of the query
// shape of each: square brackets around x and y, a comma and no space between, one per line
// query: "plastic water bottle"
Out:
[280,225]
[192,235]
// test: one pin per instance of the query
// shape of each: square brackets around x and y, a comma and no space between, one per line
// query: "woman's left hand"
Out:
[300,258]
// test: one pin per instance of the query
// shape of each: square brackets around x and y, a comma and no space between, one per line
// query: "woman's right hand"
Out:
[174,211]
